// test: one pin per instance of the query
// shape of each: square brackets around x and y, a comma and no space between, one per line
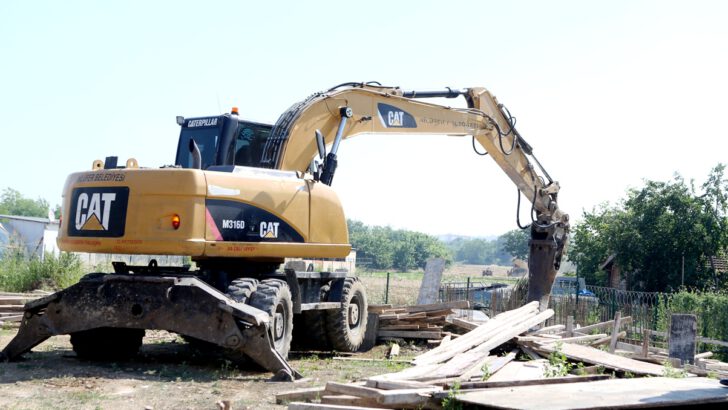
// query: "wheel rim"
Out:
[354,313]
[279,324]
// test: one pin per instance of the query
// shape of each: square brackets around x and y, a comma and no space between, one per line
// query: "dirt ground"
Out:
[167,374]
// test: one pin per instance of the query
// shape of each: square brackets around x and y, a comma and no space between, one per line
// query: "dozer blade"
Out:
[185,305]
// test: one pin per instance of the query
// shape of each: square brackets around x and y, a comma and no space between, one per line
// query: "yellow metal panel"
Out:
[328,223]
[286,197]
[155,195]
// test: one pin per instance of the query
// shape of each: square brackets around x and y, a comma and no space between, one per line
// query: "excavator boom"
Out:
[355,109]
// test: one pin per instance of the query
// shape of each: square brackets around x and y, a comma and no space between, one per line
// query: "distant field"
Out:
[404,286]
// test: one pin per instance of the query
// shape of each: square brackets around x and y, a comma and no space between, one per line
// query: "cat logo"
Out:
[269,230]
[393,117]
[98,212]
[92,213]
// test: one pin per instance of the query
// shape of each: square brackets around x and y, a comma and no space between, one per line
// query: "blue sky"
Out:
[608,93]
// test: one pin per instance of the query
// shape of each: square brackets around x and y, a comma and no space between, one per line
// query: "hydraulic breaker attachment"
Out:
[546,248]
[181,304]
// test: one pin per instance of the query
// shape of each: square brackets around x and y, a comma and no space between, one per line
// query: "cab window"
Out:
[249,143]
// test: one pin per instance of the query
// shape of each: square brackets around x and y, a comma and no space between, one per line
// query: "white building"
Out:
[36,235]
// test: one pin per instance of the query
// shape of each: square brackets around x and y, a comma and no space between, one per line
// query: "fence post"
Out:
[386,291]
[493,303]
[467,290]
[576,308]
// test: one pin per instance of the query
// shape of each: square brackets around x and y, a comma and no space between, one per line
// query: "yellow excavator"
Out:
[243,196]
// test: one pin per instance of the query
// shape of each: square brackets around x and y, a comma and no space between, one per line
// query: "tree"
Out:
[13,203]
[653,231]
[515,243]
[399,249]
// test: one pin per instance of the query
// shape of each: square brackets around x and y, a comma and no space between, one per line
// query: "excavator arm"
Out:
[344,112]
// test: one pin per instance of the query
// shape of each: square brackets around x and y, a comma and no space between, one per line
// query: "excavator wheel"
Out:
[107,343]
[274,297]
[346,326]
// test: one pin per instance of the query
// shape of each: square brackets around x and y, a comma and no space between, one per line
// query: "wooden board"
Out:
[410,335]
[591,355]
[378,308]
[532,382]
[370,335]
[321,406]
[531,370]
[430,286]
[343,400]
[603,394]
[312,393]
[464,324]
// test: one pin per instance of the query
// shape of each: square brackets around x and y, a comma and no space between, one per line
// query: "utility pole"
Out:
[682,274]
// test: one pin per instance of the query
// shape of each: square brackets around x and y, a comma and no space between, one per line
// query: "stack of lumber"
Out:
[11,305]
[415,322]
[467,362]
[458,360]
[467,355]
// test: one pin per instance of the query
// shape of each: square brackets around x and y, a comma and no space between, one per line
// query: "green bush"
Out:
[18,274]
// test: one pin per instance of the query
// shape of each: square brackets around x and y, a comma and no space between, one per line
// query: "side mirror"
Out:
[321,144]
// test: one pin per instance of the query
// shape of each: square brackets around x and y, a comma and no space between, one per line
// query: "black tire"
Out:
[274,297]
[240,289]
[346,326]
[107,343]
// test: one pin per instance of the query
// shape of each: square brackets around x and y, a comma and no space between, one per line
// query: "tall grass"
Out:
[19,274]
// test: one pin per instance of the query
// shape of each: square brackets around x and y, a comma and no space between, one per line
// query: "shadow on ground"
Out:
[167,361]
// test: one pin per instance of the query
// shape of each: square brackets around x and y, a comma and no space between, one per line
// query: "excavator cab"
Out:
[222,140]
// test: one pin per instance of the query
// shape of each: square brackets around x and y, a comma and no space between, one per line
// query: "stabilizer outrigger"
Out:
[180,304]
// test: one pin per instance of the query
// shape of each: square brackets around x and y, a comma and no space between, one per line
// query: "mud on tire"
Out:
[346,326]
[274,297]
[107,343]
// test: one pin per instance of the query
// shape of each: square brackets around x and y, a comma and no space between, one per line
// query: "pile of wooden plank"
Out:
[11,305]
[466,356]
[458,360]
[415,322]
[467,361]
